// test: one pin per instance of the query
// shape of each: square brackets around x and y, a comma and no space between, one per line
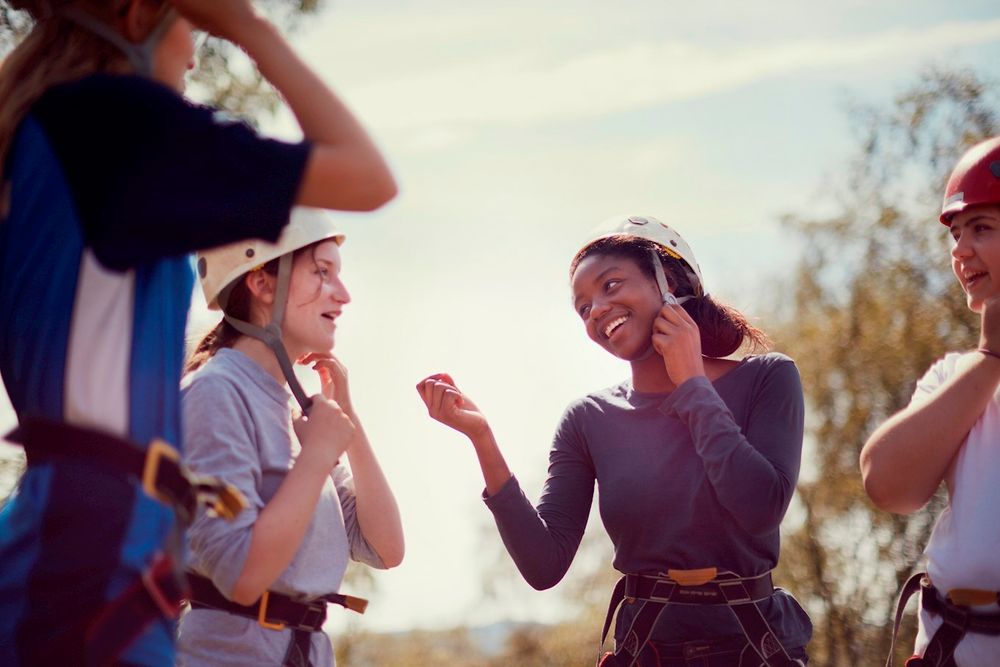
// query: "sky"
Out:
[513,129]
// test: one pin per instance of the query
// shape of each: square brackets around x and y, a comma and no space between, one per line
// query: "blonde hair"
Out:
[55,51]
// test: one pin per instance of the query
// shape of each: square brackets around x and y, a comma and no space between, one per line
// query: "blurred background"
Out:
[800,148]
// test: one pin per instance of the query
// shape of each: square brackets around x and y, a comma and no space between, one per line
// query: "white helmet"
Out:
[648,227]
[220,268]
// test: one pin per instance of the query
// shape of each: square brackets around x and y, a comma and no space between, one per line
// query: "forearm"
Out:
[491,461]
[377,511]
[280,528]
[752,469]
[905,459]
[344,154]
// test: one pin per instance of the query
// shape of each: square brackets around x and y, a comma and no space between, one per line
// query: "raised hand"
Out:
[446,404]
[332,377]
[677,339]
[989,330]
[221,18]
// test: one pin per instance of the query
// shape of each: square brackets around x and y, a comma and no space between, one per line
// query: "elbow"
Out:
[889,496]
[246,593]
[393,556]
[889,490]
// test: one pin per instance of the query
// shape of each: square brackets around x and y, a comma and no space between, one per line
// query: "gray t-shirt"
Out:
[238,426]
[699,477]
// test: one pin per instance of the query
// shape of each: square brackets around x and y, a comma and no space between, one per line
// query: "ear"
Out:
[138,18]
[261,285]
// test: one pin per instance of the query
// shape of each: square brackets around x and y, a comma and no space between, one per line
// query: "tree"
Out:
[874,306]
[223,77]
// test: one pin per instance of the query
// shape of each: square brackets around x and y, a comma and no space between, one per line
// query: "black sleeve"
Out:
[154,176]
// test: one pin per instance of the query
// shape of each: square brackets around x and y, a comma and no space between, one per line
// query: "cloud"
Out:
[529,87]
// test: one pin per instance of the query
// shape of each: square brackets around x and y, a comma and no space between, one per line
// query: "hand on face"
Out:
[677,339]
[446,404]
[325,433]
[332,377]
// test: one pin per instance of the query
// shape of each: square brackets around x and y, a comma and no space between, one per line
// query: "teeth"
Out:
[614,324]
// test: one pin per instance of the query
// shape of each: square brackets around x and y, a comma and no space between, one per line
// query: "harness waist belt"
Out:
[274,611]
[722,589]
[157,467]
[978,622]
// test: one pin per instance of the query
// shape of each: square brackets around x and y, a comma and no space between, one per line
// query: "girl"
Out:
[948,433]
[260,581]
[696,457]
[109,178]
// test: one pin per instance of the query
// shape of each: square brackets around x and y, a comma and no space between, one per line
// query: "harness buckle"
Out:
[971,597]
[224,500]
[158,450]
[262,614]
[693,577]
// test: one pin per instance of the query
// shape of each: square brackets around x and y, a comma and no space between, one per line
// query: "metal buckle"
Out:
[262,614]
[157,450]
[162,566]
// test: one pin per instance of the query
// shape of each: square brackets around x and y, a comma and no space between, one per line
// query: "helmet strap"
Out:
[140,54]
[270,334]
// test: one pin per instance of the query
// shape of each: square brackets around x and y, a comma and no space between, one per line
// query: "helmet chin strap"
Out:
[140,54]
[270,334]
[666,296]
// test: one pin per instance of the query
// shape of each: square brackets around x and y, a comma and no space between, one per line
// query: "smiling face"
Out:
[617,302]
[975,256]
[316,297]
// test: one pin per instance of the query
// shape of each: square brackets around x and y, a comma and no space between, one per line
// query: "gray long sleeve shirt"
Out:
[237,425]
[700,477]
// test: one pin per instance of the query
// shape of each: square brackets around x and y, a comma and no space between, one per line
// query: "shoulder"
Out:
[219,380]
[124,98]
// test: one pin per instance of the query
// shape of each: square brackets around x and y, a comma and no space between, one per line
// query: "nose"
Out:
[598,309]
[340,293]
[962,249]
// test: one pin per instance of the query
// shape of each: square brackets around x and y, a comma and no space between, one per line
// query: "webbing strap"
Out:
[911,586]
[270,334]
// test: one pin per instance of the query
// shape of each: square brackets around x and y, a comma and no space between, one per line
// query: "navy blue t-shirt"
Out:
[113,180]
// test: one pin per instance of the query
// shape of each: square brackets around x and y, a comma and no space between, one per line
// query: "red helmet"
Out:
[975,180]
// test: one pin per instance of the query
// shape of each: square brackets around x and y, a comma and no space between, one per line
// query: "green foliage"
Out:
[874,305]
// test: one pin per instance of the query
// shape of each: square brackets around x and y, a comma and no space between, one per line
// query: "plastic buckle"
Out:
[223,499]
[157,451]
[262,614]
[162,567]
[971,597]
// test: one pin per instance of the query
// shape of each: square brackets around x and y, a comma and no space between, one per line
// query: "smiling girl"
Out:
[261,583]
[696,457]
[949,433]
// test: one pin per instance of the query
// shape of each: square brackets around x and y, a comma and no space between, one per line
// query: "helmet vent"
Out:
[250,252]
[995,168]
[202,267]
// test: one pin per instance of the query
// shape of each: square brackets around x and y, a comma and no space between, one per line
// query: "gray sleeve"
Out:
[218,440]
[543,542]
[753,471]
[361,550]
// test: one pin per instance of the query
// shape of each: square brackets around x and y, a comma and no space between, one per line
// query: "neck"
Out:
[261,355]
[650,375]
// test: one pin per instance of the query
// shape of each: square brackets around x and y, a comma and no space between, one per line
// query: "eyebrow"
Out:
[596,279]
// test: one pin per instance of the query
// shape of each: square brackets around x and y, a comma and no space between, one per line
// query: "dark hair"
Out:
[225,334]
[723,328]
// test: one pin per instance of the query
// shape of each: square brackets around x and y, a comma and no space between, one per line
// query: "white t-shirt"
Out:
[964,548]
